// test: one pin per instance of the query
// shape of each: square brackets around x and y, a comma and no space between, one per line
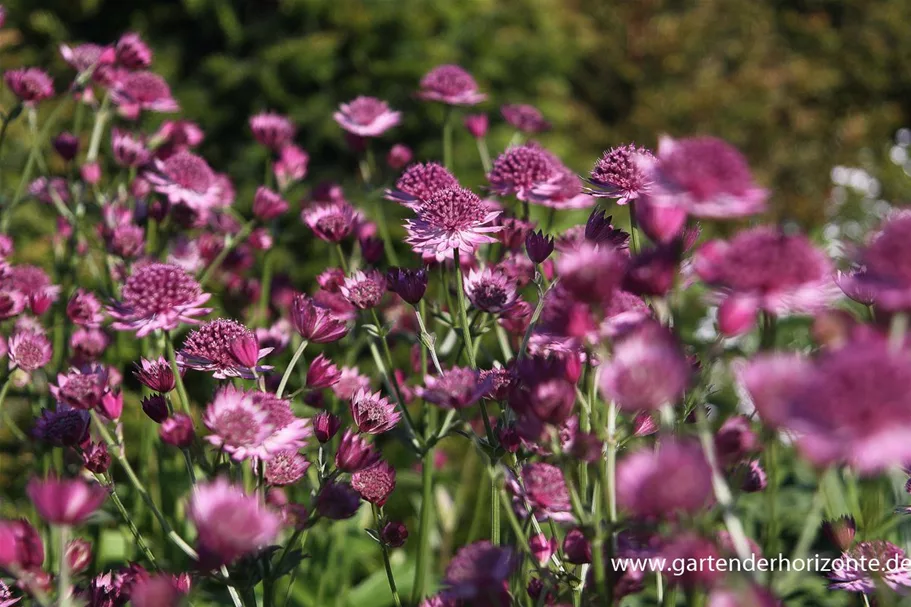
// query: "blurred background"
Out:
[801,86]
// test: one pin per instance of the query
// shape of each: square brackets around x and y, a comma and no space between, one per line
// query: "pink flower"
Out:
[156,375]
[272,130]
[268,205]
[129,150]
[158,296]
[450,84]
[591,273]
[374,484]
[543,486]
[32,283]
[703,175]
[456,388]
[65,502]
[31,85]
[490,290]
[349,382]
[253,424]
[419,182]
[399,156]
[84,309]
[527,172]
[332,221]
[316,323]
[137,91]
[562,191]
[854,572]
[366,117]
[286,468]
[364,290]
[84,57]
[618,174]
[209,348]
[372,413]
[186,178]
[748,596]
[355,453]
[230,523]
[132,52]
[883,276]
[29,350]
[525,118]
[81,388]
[453,218]
[291,166]
[478,574]
[476,124]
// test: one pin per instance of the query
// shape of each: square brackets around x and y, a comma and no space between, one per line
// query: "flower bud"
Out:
[840,532]
[325,426]
[577,548]
[394,534]
[91,173]
[355,453]
[78,555]
[155,407]
[245,350]
[542,548]
[268,205]
[322,373]
[538,246]
[112,405]
[177,430]
[399,156]
[66,145]
[737,315]
[96,458]
[476,125]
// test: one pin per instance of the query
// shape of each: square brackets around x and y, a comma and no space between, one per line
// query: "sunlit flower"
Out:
[364,290]
[374,484]
[490,290]
[332,221]
[366,117]
[158,296]
[65,501]
[372,413]
[30,84]
[418,182]
[454,218]
[186,178]
[137,91]
[618,174]
[524,171]
[883,275]
[456,388]
[28,350]
[525,118]
[209,348]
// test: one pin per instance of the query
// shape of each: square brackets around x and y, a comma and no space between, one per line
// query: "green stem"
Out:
[13,428]
[297,354]
[230,245]
[633,227]
[140,541]
[429,342]
[178,378]
[262,312]
[383,228]
[484,154]
[447,139]
[98,129]
[342,260]
[542,293]
[386,563]
[494,508]
[393,386]
[423,558]
[64,596]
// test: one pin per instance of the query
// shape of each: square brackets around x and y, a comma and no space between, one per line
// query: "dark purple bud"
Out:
[155,407]
[394,534]
[66,145]
[509,438]
[840,532]
[177,430]
[735,439]
[316,323]
[78,555]
[754,479]
[577,548]
[408,284]
[325,426]
[337,501]
[322,373]
[96,458]
[538,246]
[598,230]
[372,249]
[355,453]
[156,375]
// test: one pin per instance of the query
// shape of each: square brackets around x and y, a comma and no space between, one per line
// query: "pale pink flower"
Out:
[366,117]
[450,84]
[186,178]
[137,91]
[490,290]
[453,218]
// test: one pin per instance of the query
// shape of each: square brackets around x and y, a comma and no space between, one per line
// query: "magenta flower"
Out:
[31,85]
[703,175]
[372,413]
[349,382]
[132,52]
[272,130]
[186,178]
[12,303]
[408,284]
[230,523]
[476,124]
[419,182]
[129,150]
[66,502]
[291,166]
[454,218]
[177,431]
[81,388]
[28,350]
[364,290]
[286,468]
[355,453]
[374,484]
[32,283]
[528,172]
[253,424]
[332,221]
[525,118]
[883,276]
[337,501]
[457,388]
[647,370]
[619,174]
[478,574]
[84,57]
[137,91]
[591,273]
[399,156]
[450,84]
[764,269]
[210,348]
[490,290]
[543,487]
[316,323]
[656,484]
[158,296]
[322,373]
[562,191]
[268,205]
[84,309]
[854,572]
[366,117]
[156,375]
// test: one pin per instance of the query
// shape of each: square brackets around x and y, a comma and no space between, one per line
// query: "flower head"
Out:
[408,284]
[132,52]
[211,348]
[374,484]
[366,117]
[337,501]
[129,150]
[177,430]
[525,118]
[476,124]
[618,174]
[156,375]
[28,350]
[331,221]
[272,130]
[29,84]
[456,388]
[230,523]
[137,91]
[883,276]
[543,487]
[656,484]
[322,373]
[490,290]
[591,273]
[81,388]
[65,501]
[854,571]
[355,453]
[286,468]
[291,166]
[523,170]
[31,283]
[268,204]
[84,57]
[63,427]
[478,574]
[316,323]
[158,296]
[186,178]
[419,182]
[364,290]
[450,84]
[453,218]
[84,309]
[372,413]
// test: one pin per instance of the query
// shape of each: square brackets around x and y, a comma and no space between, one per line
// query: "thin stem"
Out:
[447,138]
[633,227]
[178,378]
[392,385]
[495,508]
[612,462]
[463,309]
[64,598]
[98,129]
[423,558]
[297,354]
[140,541]
[429,342]
[383,228]
[262,311]
[342,260]
[386,563]
[484,154]
[15,430]
[534,317]
[230,245]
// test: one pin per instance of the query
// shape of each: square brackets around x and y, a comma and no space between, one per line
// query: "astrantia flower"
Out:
[478,575]
[408,284]
[272,130]
[372,413]
[854,572]
[129,150]
[522,170]
[619,174]
[350,381]
[490,290]
[81,388]
[450,84]
[355,453]
[883,276]
[156,375]
[656,484]
[209,348]
[364,290]
[647,369]
[374,484]
[65,501]
[562,191]
[11,304]
[63,427]
[83,57]
[132,52]
[457,388]
[268,204]
[158,296]
[316,323]
[46,190]
[29,84]
[525,118]
[419,182]
[454,218]
[291,165]
[366,117]
[28,350]
[591,273]
[84,309]
[186,178]
[765,269]
[337,501]
[322,373]
[543,486]
[229,522]
[137,91]
[286,468]
[703,175]
[32,283]
[332,221]
[253,424]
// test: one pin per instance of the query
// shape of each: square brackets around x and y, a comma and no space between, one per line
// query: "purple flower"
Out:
[156,375]
[66,145]
[456,388]
[253,424]
[854,572]
[132,52]
[316,323]
[538,246]
[476,124]
[478,575]
[399,156]
[64,427]
[29,84]
[32,283]
[322,373]
[186,178]
[393,534]
[703,175]
[883,276]
[840,532]
[490,290]
[272,130]
[85,57]
[576,547]
[286,468]
[374,484]
[291,166]
[129,150]
[525,118]
[372,413]
[81,388]
[591,273]
[156,407]
[419,182]
[453,218]
[619,174]
[268,205]
[450,84]
[137,91]
[408,284]
[230,523]
[364,290]
[65,501]
[12,303]
[354,453]
[28,350]
[656,484]
[366,117]
[543,486]
[177,431]
[331,221]
[158,296]
[84,309]
[526,172]
[325,426]
[211,348]
[337,501]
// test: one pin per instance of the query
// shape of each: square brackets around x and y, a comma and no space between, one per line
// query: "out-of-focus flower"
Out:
[78,555]
[618,174]
[286,468]
[316,323]
[66,502]
[525,118]
[457,388]
[538,246]
[66,145]
[883,276]
[854,571]
[209,349]
[158,296]
[840,532]
[660,223]
[291,166]
[476,124]
[408,284]
[32,283]
[177,431]
[332,221]
[186,178]
[268,205]
[63,427]
[542,547]
[490,290]
[31,85]
[364,290]
[272,130]
[132,52]
[11,304]
[366,117]
[350,382]
[394,534]
[576,547]
[450,84]
[453,218]
[322,373]
[543,487]
[230,523]
[85,57]
[591,273]
[399,156]
[20,545]
[419,182]
[374,484]
[156,407]
[29,350]
[524,171]
[137,91]
[155,591]
[478,573]
[656,484]
[325,426]
[543,390]
[337,501]
[84,309]
[735,439]
[354,453]
[129,150]
[747,596]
